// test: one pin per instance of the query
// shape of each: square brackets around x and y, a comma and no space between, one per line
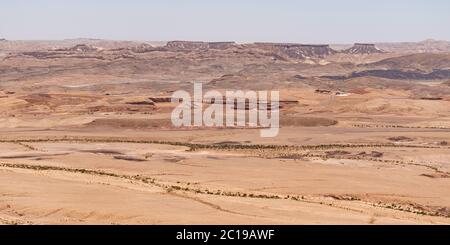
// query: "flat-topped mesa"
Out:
[363,48]
[309,51]
[298,51]
[192,45]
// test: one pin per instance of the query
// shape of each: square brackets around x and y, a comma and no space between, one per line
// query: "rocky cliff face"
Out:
[363,48]
[297,51]
[301,51]
[189,45]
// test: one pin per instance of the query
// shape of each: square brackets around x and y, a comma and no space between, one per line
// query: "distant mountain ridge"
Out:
[426,46]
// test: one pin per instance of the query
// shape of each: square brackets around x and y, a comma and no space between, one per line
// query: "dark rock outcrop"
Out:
[297,51]
[431,98]
[79,48]
[161,99]
[396,74]
[142,103]
[57,55]
[323,91]
[375,154]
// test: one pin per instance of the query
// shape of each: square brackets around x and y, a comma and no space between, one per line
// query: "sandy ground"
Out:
[47,179]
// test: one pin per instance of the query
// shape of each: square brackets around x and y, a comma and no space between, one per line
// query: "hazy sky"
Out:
[318,21]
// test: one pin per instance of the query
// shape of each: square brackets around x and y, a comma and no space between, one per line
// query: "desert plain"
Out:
[86,134]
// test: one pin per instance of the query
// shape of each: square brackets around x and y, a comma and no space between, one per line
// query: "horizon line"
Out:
[237,42]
